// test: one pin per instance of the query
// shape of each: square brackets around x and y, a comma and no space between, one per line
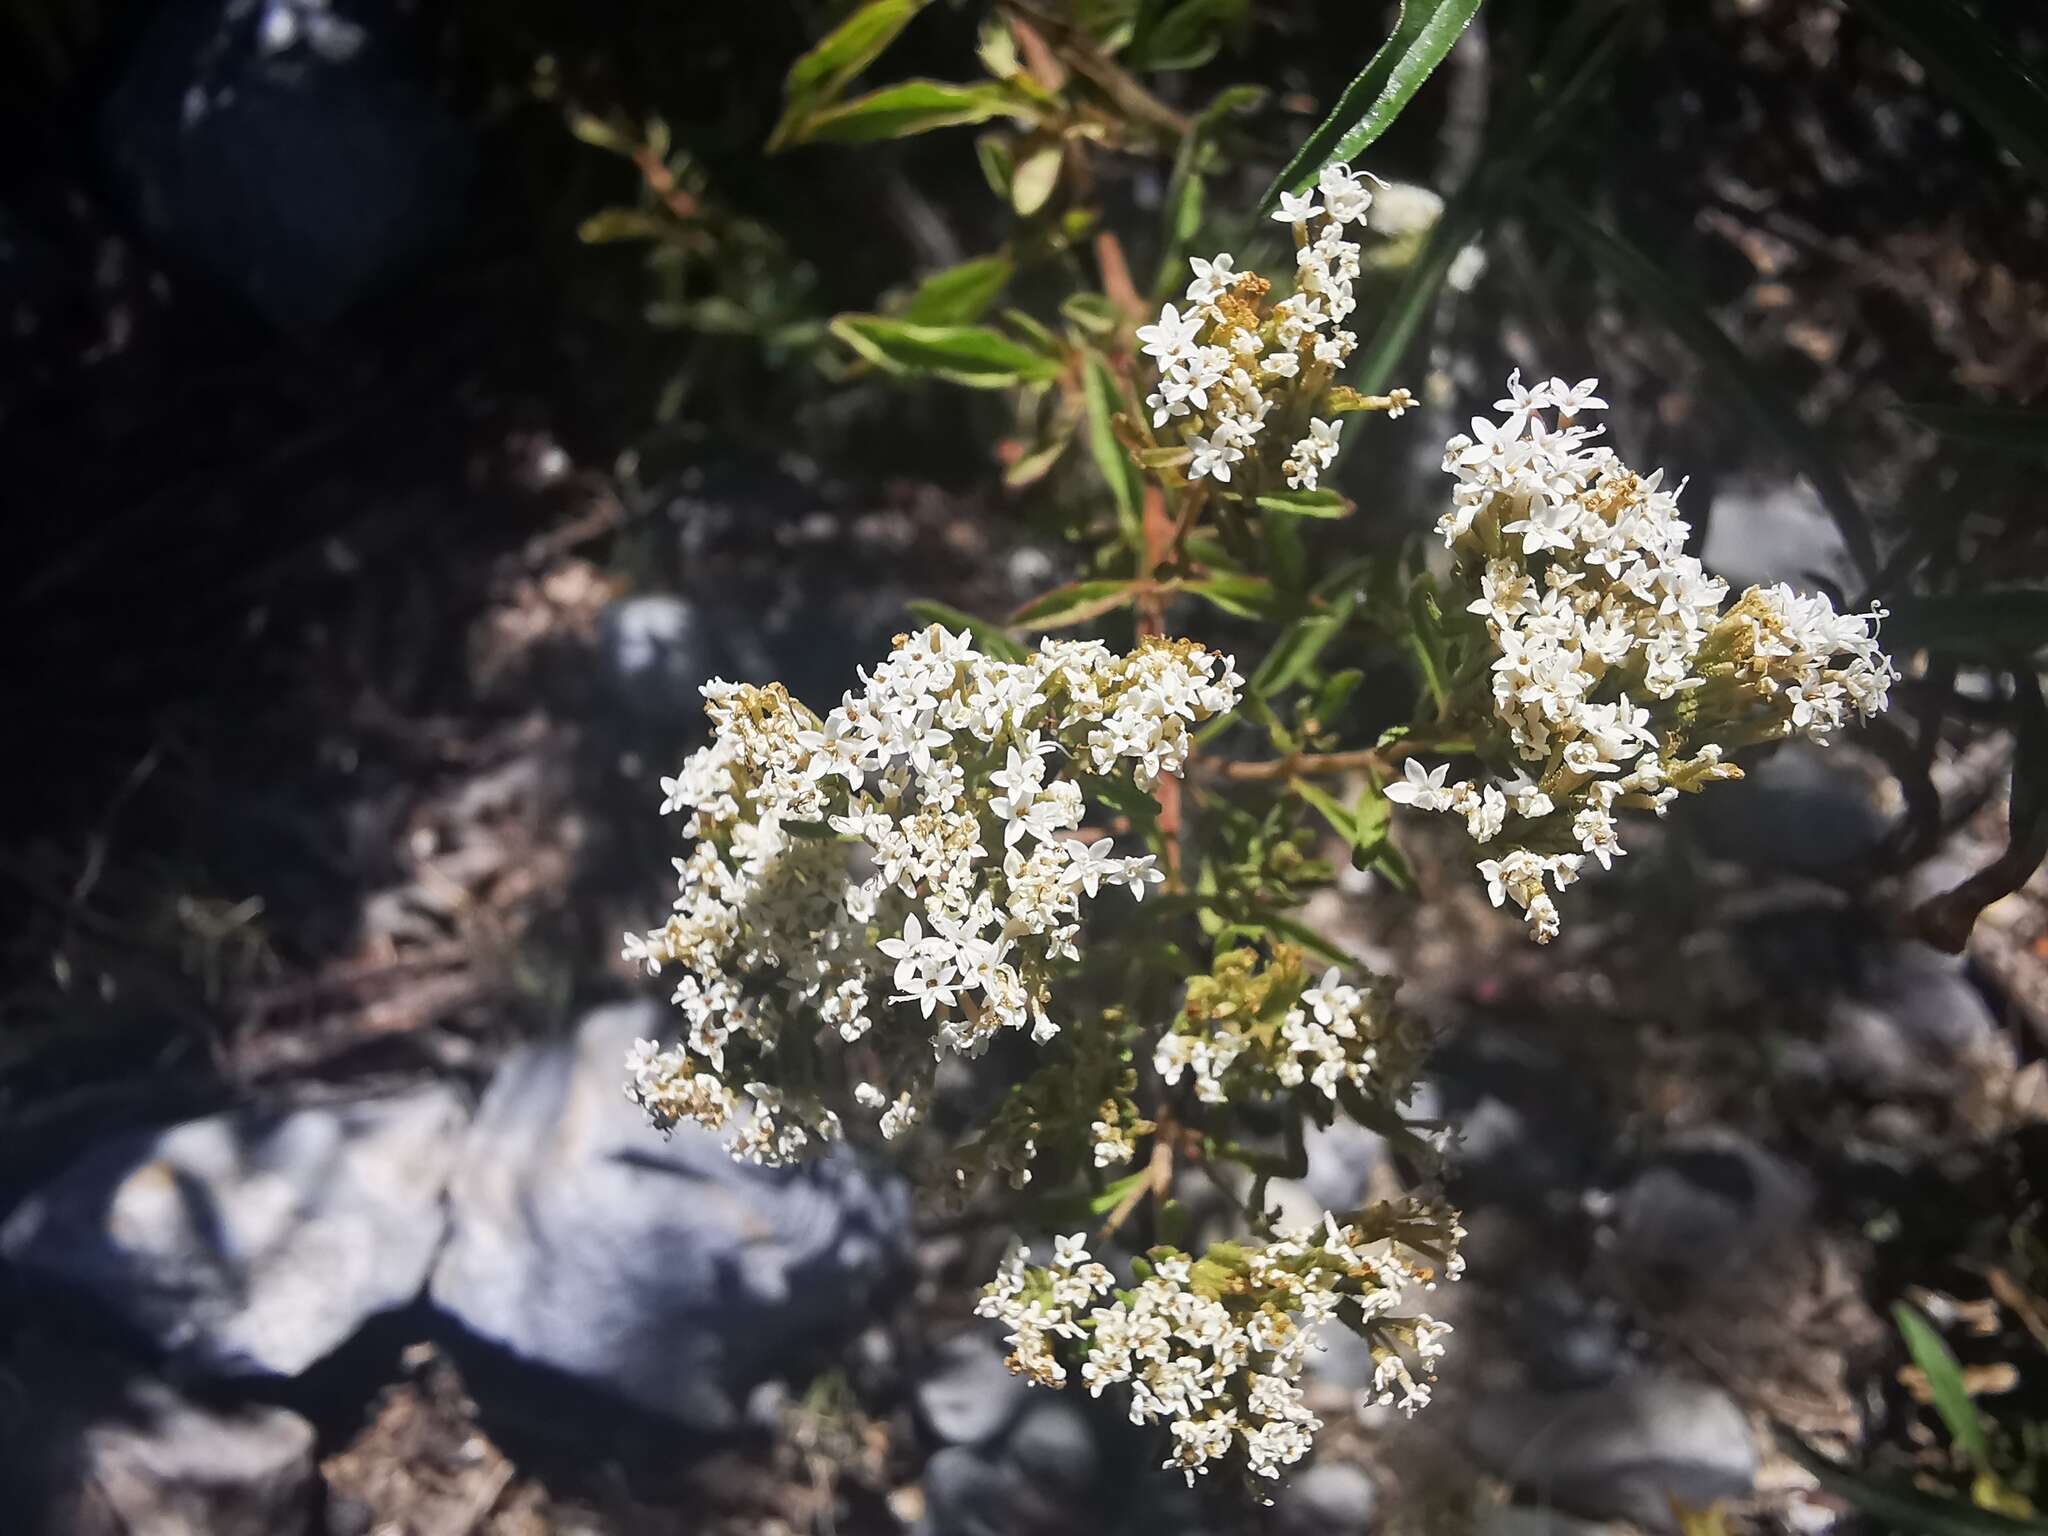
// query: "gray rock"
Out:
[1618,1452]
[1529,1127]
[1759,532]
[293,150]
[1332,1498]
[1532,1520]
[658,649]
[969,1397]
[1800,808]
[660,1271]
[977,1493]
[1706,1205]
[144,1461]
[1053,1444]
[255,1242]
[1910,1026]
[1342,1158]
[1563,1337]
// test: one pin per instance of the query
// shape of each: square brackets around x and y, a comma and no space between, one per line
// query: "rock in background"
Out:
[289,149]
[659,1271]
[91,1450]
[254,1242]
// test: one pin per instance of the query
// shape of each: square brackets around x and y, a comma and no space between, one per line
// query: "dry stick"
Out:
[1313,765]
[1159,542]
[1157,1181]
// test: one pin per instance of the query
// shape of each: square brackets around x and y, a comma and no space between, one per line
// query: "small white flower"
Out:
[1420,787]
[1296,208]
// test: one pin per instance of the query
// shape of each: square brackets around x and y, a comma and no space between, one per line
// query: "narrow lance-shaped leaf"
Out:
[959,295]
[1075,603]
[1243,597]
[1184,36]
[1583,46]
[1037,464]
[1323,503]
[1944,1384]
[818,76]
[1294,653]
[1423,33]
[972,355]
[1327,806]
[1118,472]
[898,111]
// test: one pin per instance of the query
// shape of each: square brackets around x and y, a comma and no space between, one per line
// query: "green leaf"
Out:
[1075,603]
[1244,597]
[990,637]
[1295,652]
[1113,1193]
[1185,37]
[1424,31]
[972,355]
[998,164]
[1286,559]
[1034,466]
[1375,848]
[959,295]
[1340,820]
[1688,319]
[2004,428]
[1032,183]
[817,77]
[1904,1509]
[1336,693]
[1972,62]
[1314,942]
[1099,388]
[1092,313]
[1324,503]
[599,134]
[898,111]
[1972,626]
[1945,1384]
[1582,46]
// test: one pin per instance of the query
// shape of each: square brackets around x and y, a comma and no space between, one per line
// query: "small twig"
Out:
[1157,1181]
[1081,55]
[473,1514]
[1313,765]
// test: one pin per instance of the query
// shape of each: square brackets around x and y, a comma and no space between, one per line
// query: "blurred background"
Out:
[405,406]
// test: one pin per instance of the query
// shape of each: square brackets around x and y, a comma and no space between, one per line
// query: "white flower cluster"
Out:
[908,849]
[1617,679]
[1215,1347]
[1229,368]
[1329,1037]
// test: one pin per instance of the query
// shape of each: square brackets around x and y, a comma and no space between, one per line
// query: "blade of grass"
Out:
[1945,1384]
